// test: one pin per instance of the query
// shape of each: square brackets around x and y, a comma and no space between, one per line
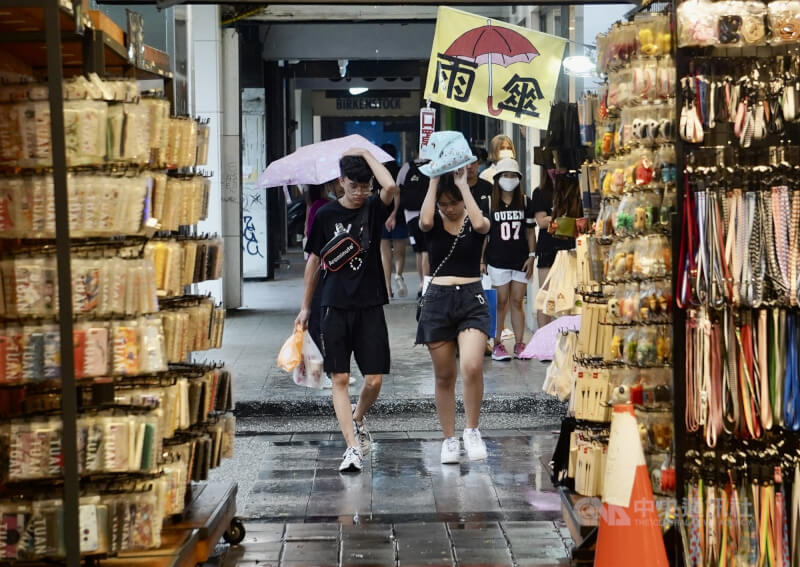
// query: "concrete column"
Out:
[230,173]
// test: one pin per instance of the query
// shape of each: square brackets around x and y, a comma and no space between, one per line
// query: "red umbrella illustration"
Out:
[491,44]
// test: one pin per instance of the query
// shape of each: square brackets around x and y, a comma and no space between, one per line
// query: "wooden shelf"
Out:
[22,37]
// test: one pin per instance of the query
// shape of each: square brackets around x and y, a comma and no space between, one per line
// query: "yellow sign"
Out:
[493,68]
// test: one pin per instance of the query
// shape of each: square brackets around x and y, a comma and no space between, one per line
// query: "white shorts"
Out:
[502,276]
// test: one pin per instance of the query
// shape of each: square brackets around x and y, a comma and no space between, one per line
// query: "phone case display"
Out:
[738,23]
[102,286]
[109,524]
[195,326]
[179,263]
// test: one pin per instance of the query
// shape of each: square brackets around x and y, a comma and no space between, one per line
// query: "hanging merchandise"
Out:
[149,423]
[179,263]
[622,356]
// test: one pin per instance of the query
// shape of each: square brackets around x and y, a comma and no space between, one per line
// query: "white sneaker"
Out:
[351,460]
[363,436]
[402,290]
[474,445]
[451,451]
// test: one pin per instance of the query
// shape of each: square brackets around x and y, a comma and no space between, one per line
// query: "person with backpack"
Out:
[413,186]
[509,252]
[344,247]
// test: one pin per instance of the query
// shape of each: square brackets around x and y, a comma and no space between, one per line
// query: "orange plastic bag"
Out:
[291,353]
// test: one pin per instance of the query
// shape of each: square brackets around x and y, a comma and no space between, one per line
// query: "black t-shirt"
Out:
[508,243]
[413,186]
[547,246]
[348,288]
[465,261]
[482,192]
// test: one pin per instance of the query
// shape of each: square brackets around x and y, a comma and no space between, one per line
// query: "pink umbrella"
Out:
[543,343]
[316,163]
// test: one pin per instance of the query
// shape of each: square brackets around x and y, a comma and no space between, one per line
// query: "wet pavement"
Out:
[255,333]
[404,508]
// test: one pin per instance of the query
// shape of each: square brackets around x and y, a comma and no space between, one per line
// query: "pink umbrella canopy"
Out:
[543,342]
[316,163]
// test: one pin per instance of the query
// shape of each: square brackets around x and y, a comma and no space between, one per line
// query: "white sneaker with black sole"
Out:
[363,436]
[352,460]
[474,445]
[451,451]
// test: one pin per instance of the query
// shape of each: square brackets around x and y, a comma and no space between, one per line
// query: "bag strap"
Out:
[456,238]
[363,221]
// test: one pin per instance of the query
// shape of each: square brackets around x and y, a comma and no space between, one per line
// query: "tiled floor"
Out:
[489,543]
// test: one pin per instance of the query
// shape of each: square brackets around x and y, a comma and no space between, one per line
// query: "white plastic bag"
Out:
[560,376]
[309,372]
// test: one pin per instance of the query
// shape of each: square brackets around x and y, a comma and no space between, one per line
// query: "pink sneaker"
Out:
[499,352]
[518,348]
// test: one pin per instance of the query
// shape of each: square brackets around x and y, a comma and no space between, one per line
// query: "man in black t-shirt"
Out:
[353,297]
[481,189]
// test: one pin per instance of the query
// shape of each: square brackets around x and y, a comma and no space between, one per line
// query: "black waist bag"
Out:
[343,248]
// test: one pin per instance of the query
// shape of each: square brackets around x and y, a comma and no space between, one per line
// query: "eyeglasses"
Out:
[357,191]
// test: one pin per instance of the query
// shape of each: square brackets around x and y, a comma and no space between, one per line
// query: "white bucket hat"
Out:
[447,151]
[506,165]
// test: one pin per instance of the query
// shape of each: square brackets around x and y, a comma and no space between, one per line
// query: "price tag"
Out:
[427,125]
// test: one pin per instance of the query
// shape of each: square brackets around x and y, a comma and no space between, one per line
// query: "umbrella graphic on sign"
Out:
[491,44]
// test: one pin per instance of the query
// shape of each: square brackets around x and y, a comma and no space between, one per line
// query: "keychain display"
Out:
[192,324]
[754,98]
[101,286]
[109,524]
[179,263]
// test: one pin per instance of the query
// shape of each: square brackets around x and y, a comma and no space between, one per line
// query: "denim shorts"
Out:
[449,309]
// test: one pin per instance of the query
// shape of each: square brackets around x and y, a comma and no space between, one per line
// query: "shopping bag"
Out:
[544,287]
[309,372]
[565,292]
[291,352]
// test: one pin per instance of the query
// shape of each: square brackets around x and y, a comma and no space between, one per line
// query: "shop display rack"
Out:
[50,40]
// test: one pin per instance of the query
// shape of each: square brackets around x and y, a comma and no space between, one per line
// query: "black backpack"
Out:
[414,188]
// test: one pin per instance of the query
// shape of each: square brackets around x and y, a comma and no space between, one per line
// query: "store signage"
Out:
[427,125]
[360,103]
[365,105]
[493,68]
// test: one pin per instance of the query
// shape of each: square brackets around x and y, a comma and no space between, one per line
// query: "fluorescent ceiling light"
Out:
[358,90]
[579,65]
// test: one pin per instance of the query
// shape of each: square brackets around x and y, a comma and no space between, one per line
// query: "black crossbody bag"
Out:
[343,249]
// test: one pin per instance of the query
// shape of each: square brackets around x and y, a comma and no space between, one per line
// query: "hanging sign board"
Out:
[493,68]
[427,125]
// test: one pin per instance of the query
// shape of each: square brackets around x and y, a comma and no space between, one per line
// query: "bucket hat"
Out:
[447,151]
[507,165]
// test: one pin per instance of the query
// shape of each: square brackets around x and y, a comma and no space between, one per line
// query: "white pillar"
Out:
[206,103]
[230,173]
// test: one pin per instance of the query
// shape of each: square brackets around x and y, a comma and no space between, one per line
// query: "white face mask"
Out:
[503,154]
[508,184]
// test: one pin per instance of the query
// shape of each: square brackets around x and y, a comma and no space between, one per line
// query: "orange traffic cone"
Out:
[629,534]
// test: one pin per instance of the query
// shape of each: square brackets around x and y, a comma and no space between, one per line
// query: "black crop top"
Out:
[465,261]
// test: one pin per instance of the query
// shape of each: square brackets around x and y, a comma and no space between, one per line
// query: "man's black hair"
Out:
[389,149]
[355,168]
[479,153]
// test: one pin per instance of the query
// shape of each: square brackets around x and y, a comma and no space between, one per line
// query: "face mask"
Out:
[507,184]
[503,154]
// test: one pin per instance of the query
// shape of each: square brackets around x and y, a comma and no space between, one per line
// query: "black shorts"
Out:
[449,309]
[355,331]
[416,236]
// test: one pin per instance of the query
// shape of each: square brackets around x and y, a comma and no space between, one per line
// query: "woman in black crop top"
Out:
[455,315]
